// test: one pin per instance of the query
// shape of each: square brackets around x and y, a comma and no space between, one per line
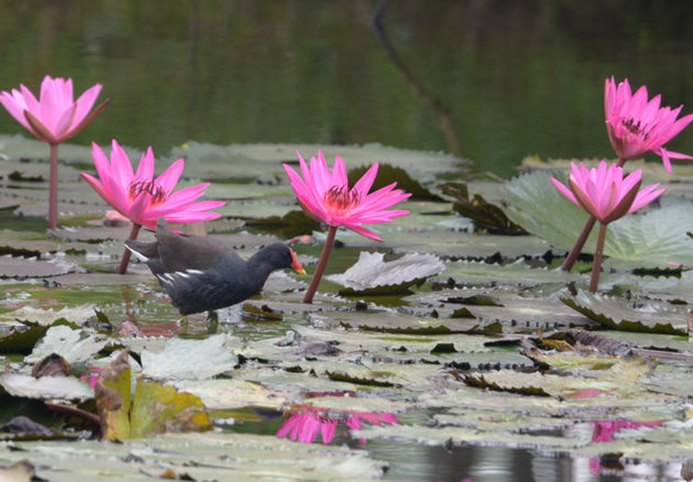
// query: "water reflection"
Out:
[305,423]
[604,432]
[517,78]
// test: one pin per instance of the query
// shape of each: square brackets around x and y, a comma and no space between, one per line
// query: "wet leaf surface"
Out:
[436,304]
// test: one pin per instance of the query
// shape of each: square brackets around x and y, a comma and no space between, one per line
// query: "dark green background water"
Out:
[517,77]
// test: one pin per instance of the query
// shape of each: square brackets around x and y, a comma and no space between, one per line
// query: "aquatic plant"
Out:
[142,198]
[326,197]
[606,196]
[53,118]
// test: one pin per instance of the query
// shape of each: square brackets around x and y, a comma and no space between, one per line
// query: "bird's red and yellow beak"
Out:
[296,265]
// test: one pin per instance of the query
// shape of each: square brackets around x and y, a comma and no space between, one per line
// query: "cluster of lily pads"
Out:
[455,330]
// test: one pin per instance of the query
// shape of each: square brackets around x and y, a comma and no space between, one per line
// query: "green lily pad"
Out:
[650,238]
[197,456]
[644,316]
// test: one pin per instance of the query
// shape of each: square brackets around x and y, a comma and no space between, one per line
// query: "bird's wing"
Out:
[181,253]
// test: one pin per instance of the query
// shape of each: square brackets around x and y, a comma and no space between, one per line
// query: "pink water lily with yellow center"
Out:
[637,125]
[52,118]
[141,197]
[325,196]
[607,196]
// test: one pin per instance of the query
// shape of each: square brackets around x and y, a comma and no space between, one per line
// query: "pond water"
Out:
[490,81]
[493,81]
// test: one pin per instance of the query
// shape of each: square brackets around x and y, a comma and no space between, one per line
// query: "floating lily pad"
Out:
[20,268]
[200,456]
[66,388]
[193,359]
[649,238]
[372,275]
[644,316]
[74,345]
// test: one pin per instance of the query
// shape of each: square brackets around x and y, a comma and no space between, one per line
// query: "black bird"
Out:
[203,274]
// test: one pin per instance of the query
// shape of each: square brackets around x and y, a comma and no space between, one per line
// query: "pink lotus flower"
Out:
[325,196]
[53,118]
[56,116]
[604,193]
[637,126]
[607,196]
[142,198]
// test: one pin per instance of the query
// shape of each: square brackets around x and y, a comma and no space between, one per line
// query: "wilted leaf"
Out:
[373,275]
[154,408]
[22,471]
[113,398]
[52,366]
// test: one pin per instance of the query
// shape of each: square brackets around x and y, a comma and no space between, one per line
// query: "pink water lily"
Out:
[54,117]
[325,196]
[604,193]
[142,198]
[637,125]
[607,196]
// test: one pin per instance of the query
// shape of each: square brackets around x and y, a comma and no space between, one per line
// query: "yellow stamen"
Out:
[339,200]
[157,193]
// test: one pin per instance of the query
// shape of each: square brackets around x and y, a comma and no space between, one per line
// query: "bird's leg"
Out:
[212,322]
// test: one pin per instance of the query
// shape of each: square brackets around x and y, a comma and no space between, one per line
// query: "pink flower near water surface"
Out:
[142,198]
[326,196]
[637,126]
[604,193]
[55,116]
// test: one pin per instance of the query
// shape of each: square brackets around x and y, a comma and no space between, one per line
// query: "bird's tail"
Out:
[143,251]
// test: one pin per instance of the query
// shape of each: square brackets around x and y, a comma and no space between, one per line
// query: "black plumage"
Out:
[203,274]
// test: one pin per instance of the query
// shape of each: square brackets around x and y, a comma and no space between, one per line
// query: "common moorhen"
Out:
[203,274]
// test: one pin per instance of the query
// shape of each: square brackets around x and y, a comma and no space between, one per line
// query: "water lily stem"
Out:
[577,248]
[53,189]
[322,264]
[126,254]
[598,255]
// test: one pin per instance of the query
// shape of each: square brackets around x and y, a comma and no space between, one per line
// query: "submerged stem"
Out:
[122,269]
[322,264]
[53,188]
[598,255]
